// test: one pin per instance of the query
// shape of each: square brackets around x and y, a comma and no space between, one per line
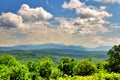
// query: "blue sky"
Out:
[71,22]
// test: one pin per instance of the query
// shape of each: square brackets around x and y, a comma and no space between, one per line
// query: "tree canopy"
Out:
[114,59]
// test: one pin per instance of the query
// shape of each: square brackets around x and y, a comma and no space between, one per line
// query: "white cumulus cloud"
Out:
[108,1]
[72,4]
[81,26]
[26,18]
[86,12]
[34,14]
[10,20]
[90,19]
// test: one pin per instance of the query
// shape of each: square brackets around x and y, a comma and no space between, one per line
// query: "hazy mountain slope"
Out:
[55,46]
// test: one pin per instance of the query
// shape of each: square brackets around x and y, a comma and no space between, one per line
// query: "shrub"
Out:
[19,73]
[44,67]
[4,72]
[56,73]
[106,76]
[85,67]
[67,65]
[8,60]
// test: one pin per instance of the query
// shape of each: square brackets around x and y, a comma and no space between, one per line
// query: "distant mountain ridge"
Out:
[55,46]
[99,48]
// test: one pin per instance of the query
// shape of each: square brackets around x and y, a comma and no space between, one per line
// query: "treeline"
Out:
[66,69]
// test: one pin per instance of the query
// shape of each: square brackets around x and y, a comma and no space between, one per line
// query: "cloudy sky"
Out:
[87,23]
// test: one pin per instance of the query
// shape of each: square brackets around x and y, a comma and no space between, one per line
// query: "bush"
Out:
[8,60]
[14,73]
[85,67]
[56,73]
[19,73]
[106,76]
[11,69]
[67,65]
[44,67]
[32,66]
[102,66]
[4,72]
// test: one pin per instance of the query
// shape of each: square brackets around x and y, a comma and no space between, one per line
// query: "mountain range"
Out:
[55,46]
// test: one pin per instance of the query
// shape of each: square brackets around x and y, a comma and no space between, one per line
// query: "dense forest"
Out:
[66,69]
[55,54]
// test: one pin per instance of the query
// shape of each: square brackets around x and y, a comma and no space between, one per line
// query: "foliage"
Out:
[32,66]
[4,72]
[102,66]
[85,67]
[14,72]
[56,73]
[67,69]
[45,67]
[97,76]
[19,73]
[114,59]
[55,54]
[106,76]
[67,65]
[8,60]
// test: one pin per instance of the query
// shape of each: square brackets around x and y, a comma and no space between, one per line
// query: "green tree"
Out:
[11,69]
[102,66]
[32,67]
[4,72]
[85,67]
[45,67]
[67,65]
[8,60]
[19,72]
[56,73]
[114,59]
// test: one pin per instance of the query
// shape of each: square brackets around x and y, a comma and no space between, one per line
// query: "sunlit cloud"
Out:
[34,26]
[109,1]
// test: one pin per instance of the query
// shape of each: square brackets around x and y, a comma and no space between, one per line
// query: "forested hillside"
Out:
[55,54]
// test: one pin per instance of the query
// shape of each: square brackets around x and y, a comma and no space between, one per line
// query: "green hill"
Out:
[55,54]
